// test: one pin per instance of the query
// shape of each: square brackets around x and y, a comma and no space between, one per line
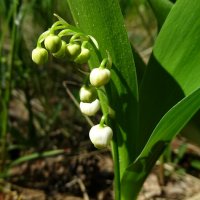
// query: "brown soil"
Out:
[89,176]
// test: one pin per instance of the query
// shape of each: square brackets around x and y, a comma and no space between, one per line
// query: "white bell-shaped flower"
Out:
[90,109]
[100,136]
[88,94]
[99,76]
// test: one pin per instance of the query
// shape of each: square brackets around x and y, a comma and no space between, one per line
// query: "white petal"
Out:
[90,109]
[100,136]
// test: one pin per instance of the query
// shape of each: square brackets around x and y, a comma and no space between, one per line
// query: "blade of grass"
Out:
[30,157]
[6,93]
[35,156]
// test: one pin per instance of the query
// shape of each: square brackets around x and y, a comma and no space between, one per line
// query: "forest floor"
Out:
[89,176]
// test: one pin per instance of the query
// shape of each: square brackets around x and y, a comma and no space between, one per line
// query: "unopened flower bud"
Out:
[90,109]
[99,76]
[88,94]
[53,43]
[39,55]
[83,57]
[61,53]
[72,50]
[100,136]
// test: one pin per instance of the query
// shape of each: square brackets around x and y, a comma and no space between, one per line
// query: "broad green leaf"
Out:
[174,68]
[171,123]
[161,9]
[103,20]
[177,48]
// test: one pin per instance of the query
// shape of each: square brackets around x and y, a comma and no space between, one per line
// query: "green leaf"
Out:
[174,68]
[179,40]
[171,123]
[172,73]
[103,20]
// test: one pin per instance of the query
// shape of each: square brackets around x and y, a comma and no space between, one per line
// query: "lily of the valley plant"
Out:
[138,120]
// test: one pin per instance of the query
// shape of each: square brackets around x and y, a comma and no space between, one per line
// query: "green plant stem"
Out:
[115,155]
[6,95]
[114,144]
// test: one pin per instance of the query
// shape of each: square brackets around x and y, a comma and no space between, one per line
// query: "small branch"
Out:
[83,189]
[81,185]
[65,83]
